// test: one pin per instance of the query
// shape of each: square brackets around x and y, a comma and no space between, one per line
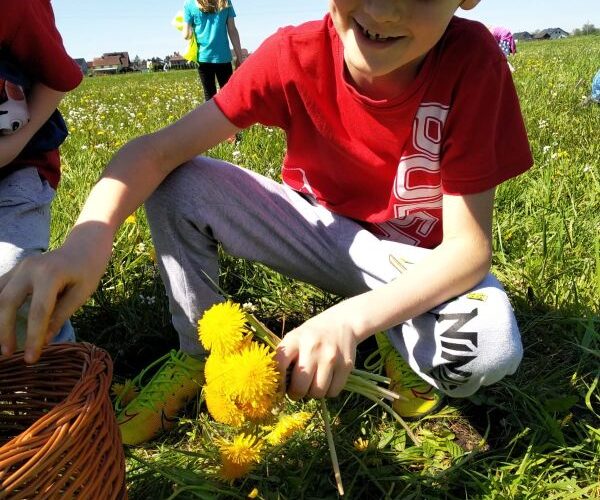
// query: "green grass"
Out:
[534,435]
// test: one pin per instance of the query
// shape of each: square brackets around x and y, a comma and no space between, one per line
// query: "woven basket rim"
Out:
[73,447]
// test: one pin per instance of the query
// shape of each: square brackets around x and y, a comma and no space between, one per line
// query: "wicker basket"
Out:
[58,433]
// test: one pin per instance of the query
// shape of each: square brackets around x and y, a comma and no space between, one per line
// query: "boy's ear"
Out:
[469,4]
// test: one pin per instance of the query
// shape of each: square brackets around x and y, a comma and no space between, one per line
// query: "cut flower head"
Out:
[222,329]
[239,455]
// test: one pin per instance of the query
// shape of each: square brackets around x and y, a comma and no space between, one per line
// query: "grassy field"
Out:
[535,435]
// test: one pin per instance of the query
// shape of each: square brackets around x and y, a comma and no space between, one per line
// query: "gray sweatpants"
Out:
[467,342]
[25,201]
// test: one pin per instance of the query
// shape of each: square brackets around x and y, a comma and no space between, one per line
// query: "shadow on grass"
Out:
[135,328]
[530,434]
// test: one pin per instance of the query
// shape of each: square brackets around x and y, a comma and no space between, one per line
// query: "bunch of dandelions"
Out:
[242,390]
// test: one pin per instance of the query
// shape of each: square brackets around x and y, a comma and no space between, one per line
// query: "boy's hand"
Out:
[320,353]
[57,283]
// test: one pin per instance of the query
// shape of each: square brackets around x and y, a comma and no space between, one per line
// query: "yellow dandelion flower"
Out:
[222,328]
[260,409]
[230,470]
[287,426]
[125,393]
[255,375]
[239,456]
[214,368]
[361,444]
[221,407]
[253,493]
[131,219]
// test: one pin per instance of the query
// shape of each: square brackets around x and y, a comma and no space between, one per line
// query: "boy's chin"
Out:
[371,70]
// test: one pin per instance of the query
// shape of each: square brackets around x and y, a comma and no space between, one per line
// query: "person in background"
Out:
[506,42]
[212,22]
[594,96]
[32,58]
[401,119]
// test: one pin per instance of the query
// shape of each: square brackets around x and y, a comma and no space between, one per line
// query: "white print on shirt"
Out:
[305,188]
[417,186]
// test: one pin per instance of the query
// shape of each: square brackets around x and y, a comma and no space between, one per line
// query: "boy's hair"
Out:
[212,6]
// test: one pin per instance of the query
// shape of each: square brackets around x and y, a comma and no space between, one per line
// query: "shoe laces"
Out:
[173,369]
[386,354]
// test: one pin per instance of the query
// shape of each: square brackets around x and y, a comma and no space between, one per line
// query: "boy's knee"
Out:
[480,342]
[11,255]
[499,353]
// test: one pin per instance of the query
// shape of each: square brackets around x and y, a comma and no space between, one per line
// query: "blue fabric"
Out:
[66,334]
[25,200]
[596,87]
[211,32]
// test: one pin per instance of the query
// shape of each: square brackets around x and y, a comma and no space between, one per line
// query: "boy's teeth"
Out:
[374,36]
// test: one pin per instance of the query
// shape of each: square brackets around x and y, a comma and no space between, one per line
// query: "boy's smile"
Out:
[385,41]
[377,37]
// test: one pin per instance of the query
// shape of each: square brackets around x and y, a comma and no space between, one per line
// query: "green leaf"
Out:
[384,438]
[429,448]
[454,450]
[562,404]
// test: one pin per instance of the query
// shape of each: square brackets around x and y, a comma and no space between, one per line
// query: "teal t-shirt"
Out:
[211,32]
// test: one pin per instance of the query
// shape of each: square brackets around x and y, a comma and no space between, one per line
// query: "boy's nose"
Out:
[384,11]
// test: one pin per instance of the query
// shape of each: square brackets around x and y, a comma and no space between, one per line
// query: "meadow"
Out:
[535,435]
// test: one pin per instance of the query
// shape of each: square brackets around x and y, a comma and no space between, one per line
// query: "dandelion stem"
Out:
[332,452]
[397,417]
[262,332]
[364,387]
[371,376]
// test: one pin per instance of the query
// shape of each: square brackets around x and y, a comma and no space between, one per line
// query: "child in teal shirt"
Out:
[212,23]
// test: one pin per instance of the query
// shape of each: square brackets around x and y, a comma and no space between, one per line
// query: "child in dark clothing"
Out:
[35,71]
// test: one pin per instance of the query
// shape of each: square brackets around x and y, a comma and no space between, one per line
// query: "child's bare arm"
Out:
[322,350]
[234,36]
[60,281]
[42,101]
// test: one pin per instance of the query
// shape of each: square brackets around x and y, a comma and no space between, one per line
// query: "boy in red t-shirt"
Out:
[400,121]
[32,57]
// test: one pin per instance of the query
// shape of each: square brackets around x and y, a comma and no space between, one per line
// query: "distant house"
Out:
[551,34]
[111,63]
[83,65]
[523,35]
[176,61]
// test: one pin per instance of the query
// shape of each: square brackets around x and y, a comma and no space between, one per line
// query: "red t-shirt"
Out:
[456,130]
[29,37]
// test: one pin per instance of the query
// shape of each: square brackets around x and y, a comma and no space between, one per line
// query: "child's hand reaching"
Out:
[320,354]
[56,284]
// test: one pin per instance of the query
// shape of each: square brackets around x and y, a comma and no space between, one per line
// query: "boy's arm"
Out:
[322,350]
[187,31]
[41,102]
[60,281]
[234,36]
